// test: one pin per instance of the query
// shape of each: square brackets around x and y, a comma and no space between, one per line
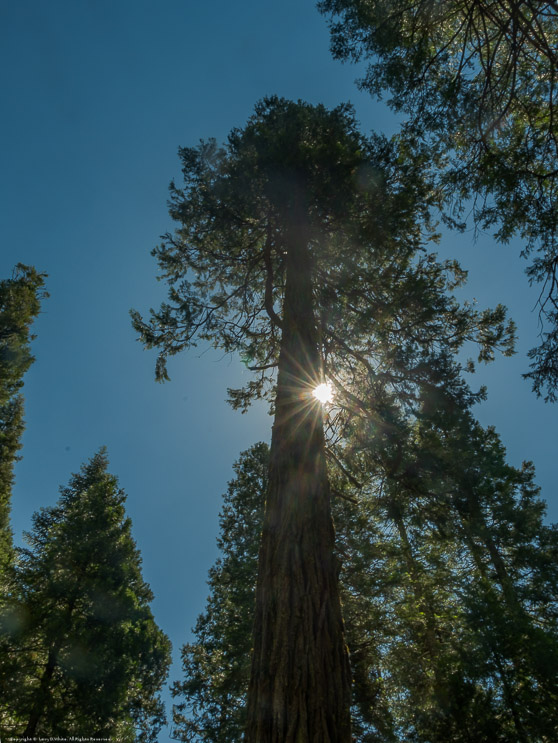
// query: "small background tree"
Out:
[89,658]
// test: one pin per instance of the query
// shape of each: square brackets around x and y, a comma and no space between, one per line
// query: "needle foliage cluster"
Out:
[449,581]
[82,654]
[476,85]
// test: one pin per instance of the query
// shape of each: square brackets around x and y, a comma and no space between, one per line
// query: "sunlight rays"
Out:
[323,392]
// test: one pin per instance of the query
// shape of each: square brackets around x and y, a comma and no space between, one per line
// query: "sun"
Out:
[323,392]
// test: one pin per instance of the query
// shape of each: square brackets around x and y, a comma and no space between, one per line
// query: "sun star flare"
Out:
[323,392]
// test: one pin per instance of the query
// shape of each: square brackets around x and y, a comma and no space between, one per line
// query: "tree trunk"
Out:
[299,689]
[41,699]
[42,696]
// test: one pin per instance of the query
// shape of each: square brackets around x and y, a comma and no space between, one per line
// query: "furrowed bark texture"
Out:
[300,682]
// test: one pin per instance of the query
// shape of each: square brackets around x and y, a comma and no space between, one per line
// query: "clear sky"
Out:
[97,96]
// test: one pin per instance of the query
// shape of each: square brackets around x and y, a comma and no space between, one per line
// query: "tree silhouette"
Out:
[300,246]
[477,83]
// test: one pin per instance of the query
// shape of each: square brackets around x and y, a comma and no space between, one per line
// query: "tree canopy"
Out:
[381,300]
[476,83]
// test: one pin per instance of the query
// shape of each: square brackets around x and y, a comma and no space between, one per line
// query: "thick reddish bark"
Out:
[300,683]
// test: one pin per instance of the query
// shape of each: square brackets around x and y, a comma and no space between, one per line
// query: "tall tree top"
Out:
[81,620]
[362,209]
[20,298]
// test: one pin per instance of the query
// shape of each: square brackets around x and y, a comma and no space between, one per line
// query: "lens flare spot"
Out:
[323,392]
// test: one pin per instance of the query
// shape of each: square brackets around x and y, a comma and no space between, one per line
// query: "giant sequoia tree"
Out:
[477,83]
[300,246]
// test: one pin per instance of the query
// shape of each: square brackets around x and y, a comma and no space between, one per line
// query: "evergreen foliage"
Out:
[467,557]
[477,84]
[84,655]
[301,246]
[217,665]
[19,305]
[452,624]
[377,292]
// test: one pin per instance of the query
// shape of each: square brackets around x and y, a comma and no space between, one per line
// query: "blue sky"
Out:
[98,95]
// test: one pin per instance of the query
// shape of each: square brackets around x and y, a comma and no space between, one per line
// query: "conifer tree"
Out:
[477,84]
[301,246]
[436,653]
[19,305]
[217,664]
[87,656]
[512,591]
[481,585]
